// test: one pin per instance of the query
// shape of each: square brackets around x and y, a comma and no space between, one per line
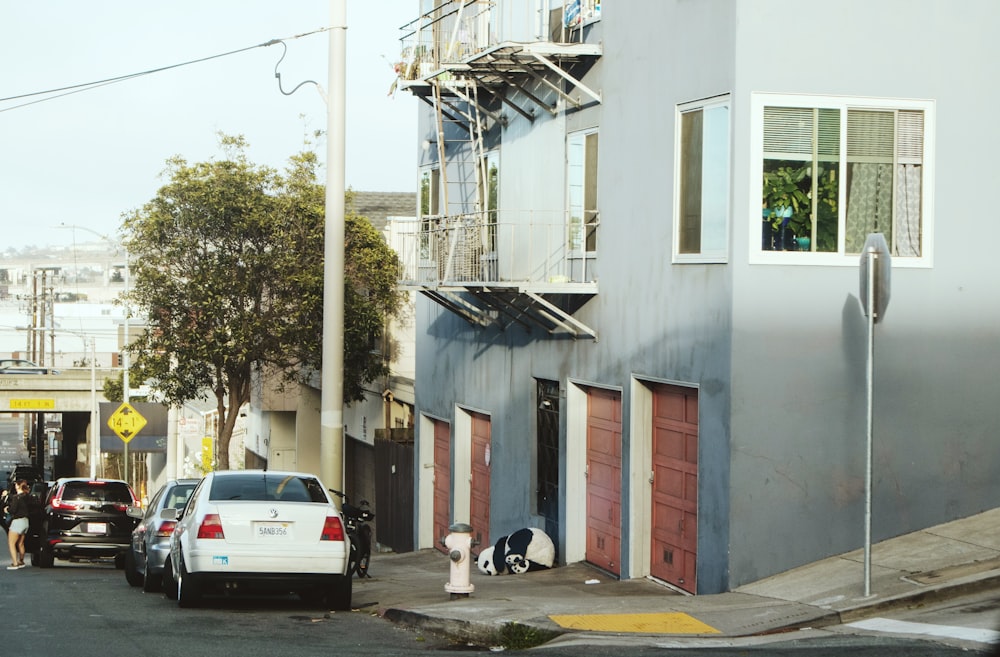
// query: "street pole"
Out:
[870,379]
[331,445]
[95,432]
[125,359]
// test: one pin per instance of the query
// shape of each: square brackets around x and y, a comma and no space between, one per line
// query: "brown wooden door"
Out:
[442,482]
[604,479]
[480,519]
[675,486]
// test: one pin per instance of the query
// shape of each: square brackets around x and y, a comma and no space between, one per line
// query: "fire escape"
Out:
[480,64]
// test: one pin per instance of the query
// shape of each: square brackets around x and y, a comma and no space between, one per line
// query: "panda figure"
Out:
[488,565]
[529,549]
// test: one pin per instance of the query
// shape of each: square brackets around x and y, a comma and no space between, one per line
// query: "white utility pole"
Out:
[331,438]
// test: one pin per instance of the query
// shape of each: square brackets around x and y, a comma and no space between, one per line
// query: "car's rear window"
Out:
[94,492]
[267,487]
[179,495]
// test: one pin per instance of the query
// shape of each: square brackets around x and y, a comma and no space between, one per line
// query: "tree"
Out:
[228,263]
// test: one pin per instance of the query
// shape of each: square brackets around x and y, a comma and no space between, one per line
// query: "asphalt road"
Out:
[88,610]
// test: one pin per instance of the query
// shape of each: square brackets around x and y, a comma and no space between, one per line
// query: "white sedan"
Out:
[257,531]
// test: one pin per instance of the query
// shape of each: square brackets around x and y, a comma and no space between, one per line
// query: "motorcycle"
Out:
[356,519]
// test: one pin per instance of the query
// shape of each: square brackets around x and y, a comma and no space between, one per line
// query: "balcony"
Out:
[495,269]
[497,45]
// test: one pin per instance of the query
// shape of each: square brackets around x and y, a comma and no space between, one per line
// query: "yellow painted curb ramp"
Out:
[663,623]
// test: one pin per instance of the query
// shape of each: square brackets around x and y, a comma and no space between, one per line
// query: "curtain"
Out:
[906,224]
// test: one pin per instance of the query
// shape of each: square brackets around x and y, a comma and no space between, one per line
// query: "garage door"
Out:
[604,479]
[442,482]
[481,478]
[675,486]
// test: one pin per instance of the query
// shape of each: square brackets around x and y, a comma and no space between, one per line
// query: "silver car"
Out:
[151,538]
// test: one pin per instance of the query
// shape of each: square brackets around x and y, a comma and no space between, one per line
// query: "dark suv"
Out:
[86,519]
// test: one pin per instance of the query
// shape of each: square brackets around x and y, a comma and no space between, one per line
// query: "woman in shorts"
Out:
[18,525]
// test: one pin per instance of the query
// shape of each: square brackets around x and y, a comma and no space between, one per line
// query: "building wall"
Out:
[798,422]
[777,352]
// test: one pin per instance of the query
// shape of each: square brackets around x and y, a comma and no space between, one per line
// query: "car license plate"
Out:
[273,530]
[97,528]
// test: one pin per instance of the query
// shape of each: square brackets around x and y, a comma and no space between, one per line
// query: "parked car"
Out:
[258,531]
[85,519]
[151,537]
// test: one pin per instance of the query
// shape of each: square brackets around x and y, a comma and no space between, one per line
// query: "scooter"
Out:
[356,518]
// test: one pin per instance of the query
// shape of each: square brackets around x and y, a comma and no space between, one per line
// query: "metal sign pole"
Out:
[872,257]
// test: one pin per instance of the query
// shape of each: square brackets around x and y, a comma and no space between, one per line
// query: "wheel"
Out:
[150,582]
[188,588]
[168,582]
[352,558]
[43,558]
[338,596]
[132,574]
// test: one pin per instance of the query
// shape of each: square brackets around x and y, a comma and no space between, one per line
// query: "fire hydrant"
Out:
[460,543]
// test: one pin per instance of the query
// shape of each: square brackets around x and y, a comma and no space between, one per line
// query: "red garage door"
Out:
[675,486]
[604,479]
[442,482]
[481,478]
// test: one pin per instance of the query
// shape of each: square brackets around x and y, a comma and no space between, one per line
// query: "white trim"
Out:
[758,100]
[425,480]
[701,258]
[461,474]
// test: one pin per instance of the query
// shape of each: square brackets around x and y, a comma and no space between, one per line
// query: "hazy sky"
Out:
[86,158]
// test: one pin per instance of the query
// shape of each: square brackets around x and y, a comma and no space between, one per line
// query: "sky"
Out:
[86,158]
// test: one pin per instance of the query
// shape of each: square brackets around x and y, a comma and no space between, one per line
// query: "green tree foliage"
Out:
[228,263]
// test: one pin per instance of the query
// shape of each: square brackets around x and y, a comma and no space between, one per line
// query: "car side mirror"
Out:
[169,513]
[134,512]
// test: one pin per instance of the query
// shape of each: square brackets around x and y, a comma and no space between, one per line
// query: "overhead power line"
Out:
[59,92]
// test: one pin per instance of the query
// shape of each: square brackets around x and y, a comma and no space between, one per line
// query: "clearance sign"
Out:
[32,404]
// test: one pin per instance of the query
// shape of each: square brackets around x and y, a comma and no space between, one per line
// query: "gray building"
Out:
[639,323]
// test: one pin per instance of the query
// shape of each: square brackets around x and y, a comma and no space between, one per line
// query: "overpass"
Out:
[70,393]
[67,392]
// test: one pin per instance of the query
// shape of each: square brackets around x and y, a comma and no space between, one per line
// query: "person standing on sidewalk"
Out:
[18,508]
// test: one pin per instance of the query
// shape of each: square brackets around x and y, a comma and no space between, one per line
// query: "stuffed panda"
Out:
[529,549]
[523,551]
[488,565]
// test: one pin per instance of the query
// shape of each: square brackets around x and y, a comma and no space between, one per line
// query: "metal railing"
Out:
[494,247]
[458,29]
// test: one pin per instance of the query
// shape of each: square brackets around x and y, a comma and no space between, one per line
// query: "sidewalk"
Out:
[520,610]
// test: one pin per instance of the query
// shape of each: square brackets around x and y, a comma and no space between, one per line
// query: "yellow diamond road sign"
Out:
[126,422]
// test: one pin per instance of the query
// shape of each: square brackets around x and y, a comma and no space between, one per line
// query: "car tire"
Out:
[169,583]
[44,558]
[150,582]
[188,588]
[338,595]
[132,574]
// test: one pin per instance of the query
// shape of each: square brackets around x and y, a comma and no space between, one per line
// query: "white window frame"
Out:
[719,254]
[759,100]
[577,237]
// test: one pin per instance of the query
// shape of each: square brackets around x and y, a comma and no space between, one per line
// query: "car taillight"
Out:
[333,530]
[121,507]
[167,528]
[57,503]
[211,527]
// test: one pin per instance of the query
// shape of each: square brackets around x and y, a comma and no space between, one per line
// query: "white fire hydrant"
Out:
[460,543]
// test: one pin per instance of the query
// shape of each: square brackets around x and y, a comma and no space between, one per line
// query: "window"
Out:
[701,228]
[833,170]
[581,181]
[430,185]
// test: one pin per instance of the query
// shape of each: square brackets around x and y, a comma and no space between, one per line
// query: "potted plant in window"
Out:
[785,208]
